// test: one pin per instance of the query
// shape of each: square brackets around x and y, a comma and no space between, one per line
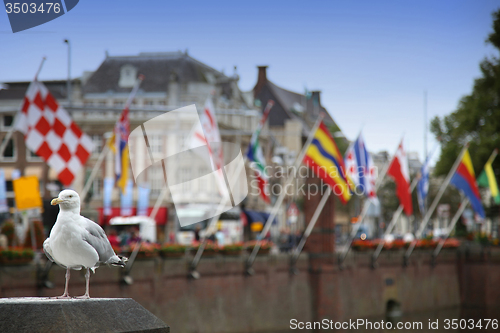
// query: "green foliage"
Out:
[16,253]
[233,247]
[341,141]
[477,117]
[174,248]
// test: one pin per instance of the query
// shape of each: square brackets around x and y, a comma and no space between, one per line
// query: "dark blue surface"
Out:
[32,18]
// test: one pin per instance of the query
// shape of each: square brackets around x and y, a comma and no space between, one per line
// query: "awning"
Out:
[161,216]
[256,216]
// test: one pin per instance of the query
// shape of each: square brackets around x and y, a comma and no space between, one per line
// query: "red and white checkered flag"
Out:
[50,133]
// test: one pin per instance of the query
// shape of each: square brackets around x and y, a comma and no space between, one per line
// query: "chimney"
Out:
[316,97]
[261,80]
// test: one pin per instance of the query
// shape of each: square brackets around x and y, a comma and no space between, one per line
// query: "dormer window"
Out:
[128,75]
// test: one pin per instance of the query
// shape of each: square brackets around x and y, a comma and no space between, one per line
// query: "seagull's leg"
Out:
[65,295]
[87,279]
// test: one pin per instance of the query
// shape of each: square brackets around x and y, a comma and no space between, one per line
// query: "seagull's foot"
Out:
[63,296]
[83,297]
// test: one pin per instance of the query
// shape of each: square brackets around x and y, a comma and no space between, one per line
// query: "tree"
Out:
[477,117]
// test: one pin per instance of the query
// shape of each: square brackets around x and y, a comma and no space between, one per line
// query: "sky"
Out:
[372,60]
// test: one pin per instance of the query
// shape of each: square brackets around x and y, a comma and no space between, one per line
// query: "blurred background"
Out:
[409,99]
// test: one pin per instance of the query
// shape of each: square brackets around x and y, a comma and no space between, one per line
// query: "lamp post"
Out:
[68,83]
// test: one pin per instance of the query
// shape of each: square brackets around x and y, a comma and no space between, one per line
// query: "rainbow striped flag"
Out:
[324,159]
[464,179]
[487,179]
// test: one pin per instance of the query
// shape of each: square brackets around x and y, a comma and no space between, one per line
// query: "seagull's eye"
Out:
[71,196]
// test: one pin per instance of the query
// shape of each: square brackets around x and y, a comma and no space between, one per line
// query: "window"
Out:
[7,121]
[118,103]
[97,185]
[156,180]
[10,152]
[97,142]
[128,75]
[155,142]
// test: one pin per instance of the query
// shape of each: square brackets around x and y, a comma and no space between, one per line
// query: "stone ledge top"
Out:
[42,314]
[41,300]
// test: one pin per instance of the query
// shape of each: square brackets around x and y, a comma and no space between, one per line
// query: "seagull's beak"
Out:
[56,201]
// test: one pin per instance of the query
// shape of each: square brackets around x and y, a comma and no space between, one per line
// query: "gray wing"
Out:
[96,237]
[48,252]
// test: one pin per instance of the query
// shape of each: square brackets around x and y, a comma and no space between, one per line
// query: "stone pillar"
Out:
[321,243]
[321,246]
[37,314]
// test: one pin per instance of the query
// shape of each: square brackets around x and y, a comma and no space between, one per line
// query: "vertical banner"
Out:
[143,200]
[106,195]
[126,199]
[3,193]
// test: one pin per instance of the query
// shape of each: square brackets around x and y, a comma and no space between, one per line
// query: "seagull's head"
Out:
[67,200]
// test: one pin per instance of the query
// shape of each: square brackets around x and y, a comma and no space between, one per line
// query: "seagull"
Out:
[75,242]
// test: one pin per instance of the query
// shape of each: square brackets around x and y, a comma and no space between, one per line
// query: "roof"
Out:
[158,68]
[17,90]
[308,107]
[292,105]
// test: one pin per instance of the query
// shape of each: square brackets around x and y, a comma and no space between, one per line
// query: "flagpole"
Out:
[310,226]
[312,223]
[367,204]
[201,248]
[39,69]
[8,136]
[454,221]
[256,133]
[493,156]
[105,149]
[280,199]
[426,162]
[434,204]
[394,220]
[457,215]
[96,169]
[459,212]
[265,114]
[425,122]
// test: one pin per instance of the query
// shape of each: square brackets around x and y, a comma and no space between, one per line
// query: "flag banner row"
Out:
[51,133]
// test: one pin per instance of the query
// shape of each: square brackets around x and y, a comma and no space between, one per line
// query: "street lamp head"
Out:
[66,41]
